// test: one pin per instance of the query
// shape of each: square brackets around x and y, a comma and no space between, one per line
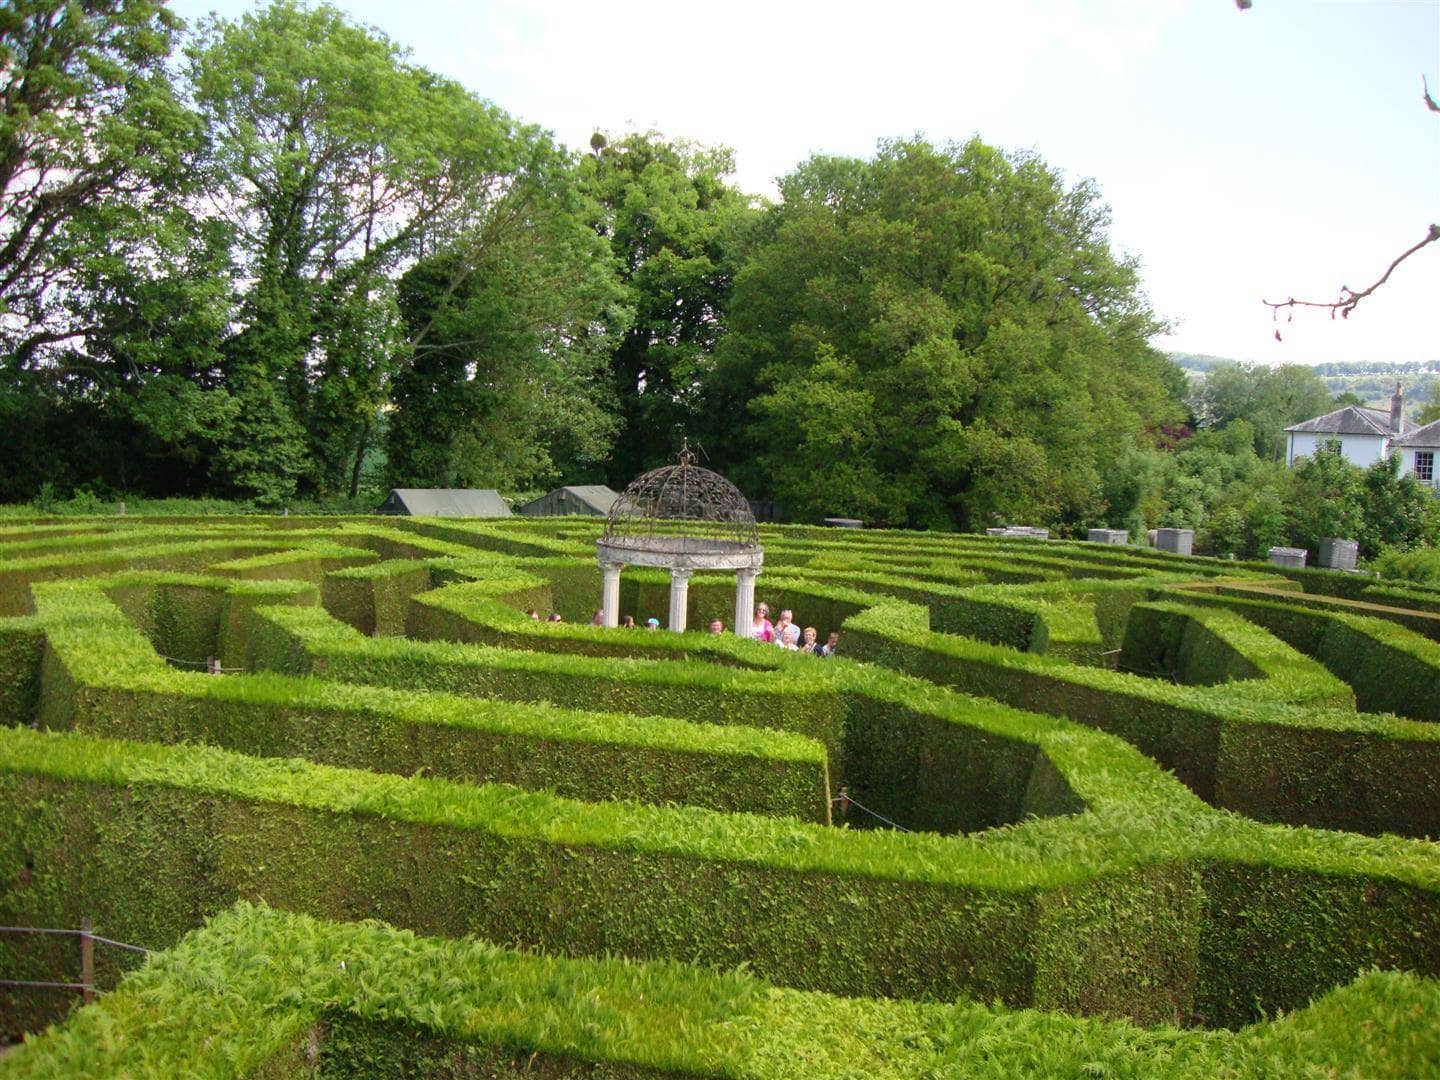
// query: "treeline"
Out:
[273,260]
[1390,369]
[1366,381]
[1225,475]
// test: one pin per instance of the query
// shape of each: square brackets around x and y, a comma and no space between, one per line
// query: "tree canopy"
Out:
[940,337]
[272,258]
[1269,399]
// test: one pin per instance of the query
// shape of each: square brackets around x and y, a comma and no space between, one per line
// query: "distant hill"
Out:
[1371,382]
[1415,367]
[1198,361]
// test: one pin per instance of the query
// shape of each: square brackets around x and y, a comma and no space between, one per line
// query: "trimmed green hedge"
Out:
[1124,895]
[905,757]
[491,612]
[22,644]
[191,617]
[375,599]
[1392,669]
[1203,647]
[1374,605]
[307,563]
[17,575]
[100,675]
[1059,913]
[308,641]
[1189,729]
[339,1000]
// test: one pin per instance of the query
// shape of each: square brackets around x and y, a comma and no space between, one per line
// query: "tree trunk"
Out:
[359,459]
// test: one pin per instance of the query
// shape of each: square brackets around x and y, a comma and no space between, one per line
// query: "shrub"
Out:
[1419,565]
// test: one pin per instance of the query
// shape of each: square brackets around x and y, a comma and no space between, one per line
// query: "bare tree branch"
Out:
[1348,296]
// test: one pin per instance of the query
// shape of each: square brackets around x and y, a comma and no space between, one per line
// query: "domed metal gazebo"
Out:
[683,518]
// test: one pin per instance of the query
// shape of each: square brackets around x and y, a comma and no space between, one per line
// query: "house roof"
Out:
[447,502]
[597,497]
[1426,436]
[1353,420]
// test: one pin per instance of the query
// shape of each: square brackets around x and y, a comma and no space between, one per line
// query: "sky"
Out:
[1246,156]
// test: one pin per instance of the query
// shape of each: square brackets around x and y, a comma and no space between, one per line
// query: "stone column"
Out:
[679,597]
[610,594]
[744,602]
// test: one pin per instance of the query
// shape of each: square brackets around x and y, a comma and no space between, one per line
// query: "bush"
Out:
[1419,565]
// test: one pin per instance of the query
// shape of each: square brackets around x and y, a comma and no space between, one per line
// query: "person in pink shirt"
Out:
[762,629]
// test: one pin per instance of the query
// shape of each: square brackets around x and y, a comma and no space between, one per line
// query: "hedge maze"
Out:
[1155,813]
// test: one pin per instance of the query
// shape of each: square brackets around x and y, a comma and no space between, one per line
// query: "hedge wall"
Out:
[22,643]
[479,613]
[1106,887]
[1391,669]
[1182,727]
[99,675]
[191,617]
[17,575]
[307,641]
[1373,603]
[1206,647]
[913,763]
[402,1005]
[141,836]
[375,599]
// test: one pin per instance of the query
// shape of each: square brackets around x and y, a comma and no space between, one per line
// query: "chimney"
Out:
[1397,408]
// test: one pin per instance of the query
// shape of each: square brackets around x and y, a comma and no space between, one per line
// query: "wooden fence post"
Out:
[87,960]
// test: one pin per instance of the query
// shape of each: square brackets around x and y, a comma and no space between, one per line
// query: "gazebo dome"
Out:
[681,516]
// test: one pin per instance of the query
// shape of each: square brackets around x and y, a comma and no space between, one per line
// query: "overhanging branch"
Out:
[1349,297]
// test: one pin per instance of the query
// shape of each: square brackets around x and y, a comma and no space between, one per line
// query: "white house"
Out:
[1419,449]
[1365,435]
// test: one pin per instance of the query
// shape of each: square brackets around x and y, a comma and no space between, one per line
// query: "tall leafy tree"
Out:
[508,331]
[980,339]
[107,283]
[90,131]
[1396,511]
[676,227]
[1268,398]
[333,162]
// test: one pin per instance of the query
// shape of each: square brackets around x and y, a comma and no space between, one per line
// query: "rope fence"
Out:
[846,801]
[86,985]
[211,665]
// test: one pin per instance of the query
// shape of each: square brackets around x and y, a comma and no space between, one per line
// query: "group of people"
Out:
[627,622]
[787,633]
[784,632]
